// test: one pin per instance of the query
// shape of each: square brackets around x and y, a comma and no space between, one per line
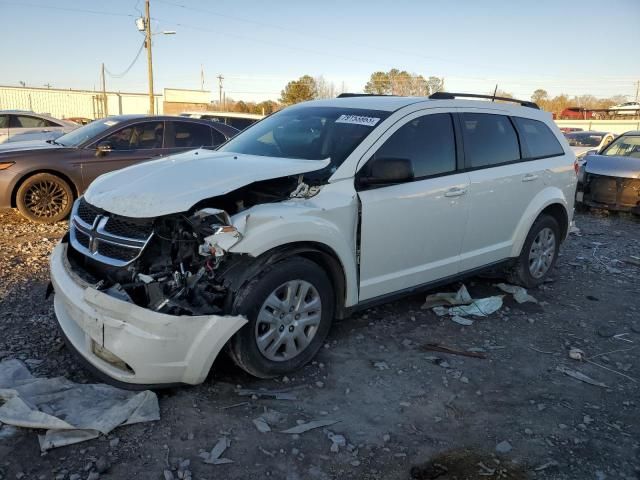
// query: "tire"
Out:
[539,253]
[274,341]
[44,198]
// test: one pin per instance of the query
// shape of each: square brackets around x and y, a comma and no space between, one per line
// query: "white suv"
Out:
[318,210]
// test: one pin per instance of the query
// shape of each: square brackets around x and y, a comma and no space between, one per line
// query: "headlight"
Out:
[582,173]
[5,165]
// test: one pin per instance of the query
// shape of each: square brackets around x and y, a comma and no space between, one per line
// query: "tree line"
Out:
[401,82]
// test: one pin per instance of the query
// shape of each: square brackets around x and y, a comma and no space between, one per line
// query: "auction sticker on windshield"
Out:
[358,120]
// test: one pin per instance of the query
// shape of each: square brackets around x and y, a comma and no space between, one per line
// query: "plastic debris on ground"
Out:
[520,294]
[261,425]
[580,376]
[461,320]
[305,427]
[460,304]
[70,412]
[213,457]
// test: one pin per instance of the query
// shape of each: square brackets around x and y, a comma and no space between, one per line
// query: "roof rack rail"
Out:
[452,96]
[347,95]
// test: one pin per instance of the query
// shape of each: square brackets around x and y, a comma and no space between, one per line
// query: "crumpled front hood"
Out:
[613,166]
[9,147]
[176,183]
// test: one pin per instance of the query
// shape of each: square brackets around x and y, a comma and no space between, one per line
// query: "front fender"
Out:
[328,219]
[549,196]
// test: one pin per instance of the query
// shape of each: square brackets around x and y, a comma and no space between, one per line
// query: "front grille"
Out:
[87,213]
[614,191]
[109,239]
[123,228]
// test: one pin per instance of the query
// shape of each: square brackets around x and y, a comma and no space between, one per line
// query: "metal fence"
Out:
[74,103]
[615,126]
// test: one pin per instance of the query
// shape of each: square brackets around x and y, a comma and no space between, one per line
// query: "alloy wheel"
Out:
[288,320]
[542,252]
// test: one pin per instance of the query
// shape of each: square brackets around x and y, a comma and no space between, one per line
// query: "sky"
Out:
[563,46]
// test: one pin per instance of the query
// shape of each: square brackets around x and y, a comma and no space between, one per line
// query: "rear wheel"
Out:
[44,198]
[539,253]
[290,307]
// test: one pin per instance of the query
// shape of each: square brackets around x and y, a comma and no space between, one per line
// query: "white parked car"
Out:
[319,210]
[628,108]
[19,126]
[584,142]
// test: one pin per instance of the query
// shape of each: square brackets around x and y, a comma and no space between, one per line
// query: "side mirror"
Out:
[103,148]
[591,152]
[387,171]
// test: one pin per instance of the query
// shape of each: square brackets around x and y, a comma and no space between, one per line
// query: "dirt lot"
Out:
[404,412]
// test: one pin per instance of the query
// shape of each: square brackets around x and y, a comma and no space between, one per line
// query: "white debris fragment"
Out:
[219,448]
[461,297]
[461,320]
[381,365]
[576,354]
[70,412]
[480,308]
[520,294]
[305,427]
[579,376]
[261,425]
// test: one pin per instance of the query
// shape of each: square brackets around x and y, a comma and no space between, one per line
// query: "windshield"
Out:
[309,133]
[624,146]
[584,139]
[82,134]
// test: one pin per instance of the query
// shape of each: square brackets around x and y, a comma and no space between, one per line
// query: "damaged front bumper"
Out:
[613,193]
[131,345]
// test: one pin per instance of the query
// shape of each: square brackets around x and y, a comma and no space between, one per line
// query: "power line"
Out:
[135,59]
[68,9]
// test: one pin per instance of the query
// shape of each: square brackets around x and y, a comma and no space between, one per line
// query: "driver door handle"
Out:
[529,177]
[455,192]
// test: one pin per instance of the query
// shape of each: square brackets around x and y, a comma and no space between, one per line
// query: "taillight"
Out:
[576,167]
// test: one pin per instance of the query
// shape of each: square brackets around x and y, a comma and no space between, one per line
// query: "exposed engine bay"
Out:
[183,265]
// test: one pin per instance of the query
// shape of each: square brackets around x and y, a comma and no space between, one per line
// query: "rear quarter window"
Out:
[538,139]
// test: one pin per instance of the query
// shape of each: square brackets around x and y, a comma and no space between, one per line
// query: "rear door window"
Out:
[26,121]
[427,141]
[4,121]
[148,135]
[191,135]
[539,141]
[489,140]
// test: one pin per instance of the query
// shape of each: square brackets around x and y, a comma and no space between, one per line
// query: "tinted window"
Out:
[427,141]
[4,121]
[191,135]
[86,133]
[218,138]
[310,133]
[540,141]
[489,139]
[239,123]
[138,136]
[24,121]
[49,123]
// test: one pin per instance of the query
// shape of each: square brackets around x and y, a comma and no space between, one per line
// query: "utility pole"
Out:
[105,107]
[637,89]
[147,30]
[201,77]
[220,78]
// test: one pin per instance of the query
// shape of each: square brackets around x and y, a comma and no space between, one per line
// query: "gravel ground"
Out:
[404,412]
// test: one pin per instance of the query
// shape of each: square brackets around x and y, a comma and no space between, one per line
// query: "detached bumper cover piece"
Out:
[134,345]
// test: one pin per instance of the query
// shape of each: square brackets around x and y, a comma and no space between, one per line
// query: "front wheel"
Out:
[44,198]
[290,307]
[539,253]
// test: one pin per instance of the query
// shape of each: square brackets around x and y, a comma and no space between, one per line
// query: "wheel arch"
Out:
[26,176]
[551,202]
[324,256]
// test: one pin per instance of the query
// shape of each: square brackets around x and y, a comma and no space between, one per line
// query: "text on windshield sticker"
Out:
[358,120]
